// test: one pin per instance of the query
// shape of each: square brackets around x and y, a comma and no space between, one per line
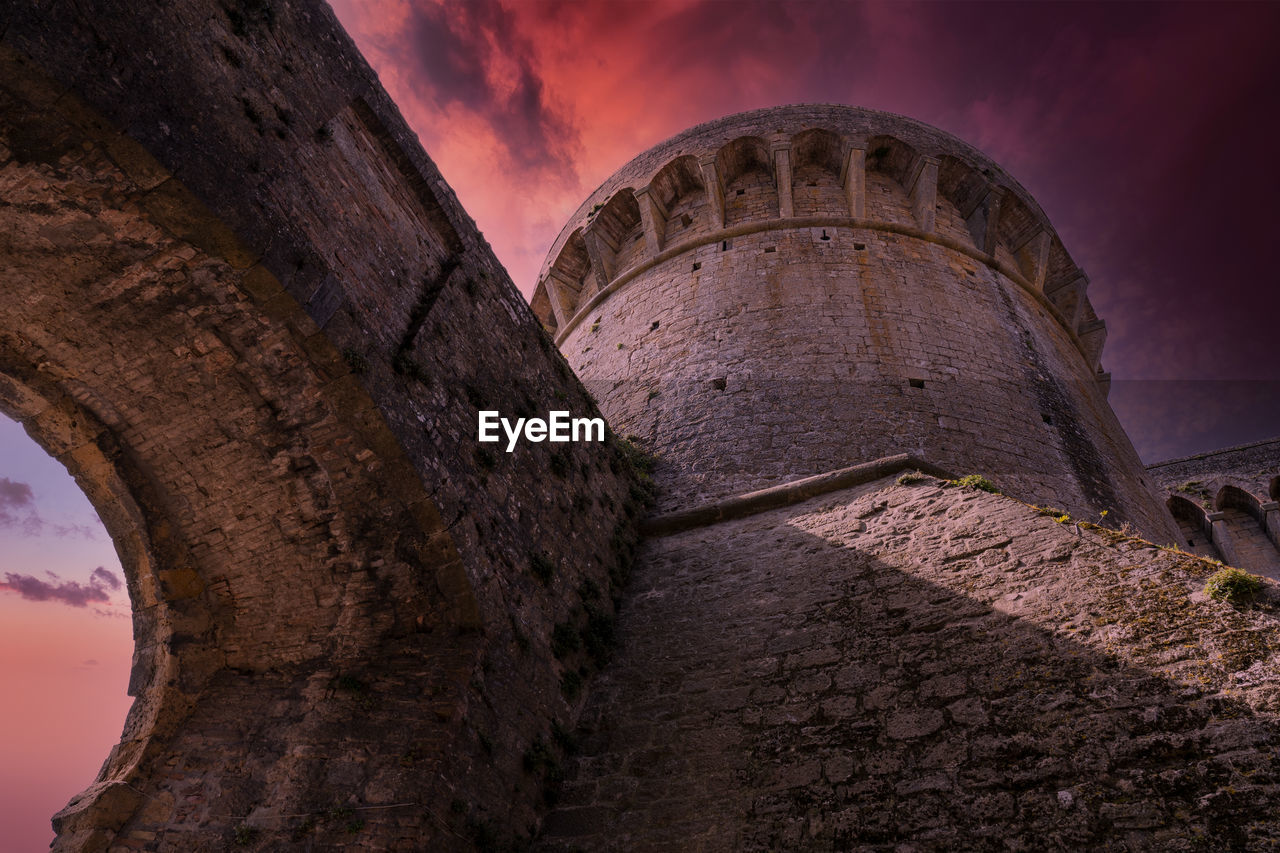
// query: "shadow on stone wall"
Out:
[930,668]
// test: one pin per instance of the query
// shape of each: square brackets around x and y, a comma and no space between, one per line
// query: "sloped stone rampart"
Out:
[922,667]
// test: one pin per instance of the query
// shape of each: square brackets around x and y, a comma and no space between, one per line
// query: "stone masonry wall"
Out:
[1226,503]
[921,667]
[787,355]
[248,314]
[1253,468]
[891,317]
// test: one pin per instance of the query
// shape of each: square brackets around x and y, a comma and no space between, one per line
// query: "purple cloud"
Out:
[472,55]
[102,577]
[17,504]
[73,593]
[18,510]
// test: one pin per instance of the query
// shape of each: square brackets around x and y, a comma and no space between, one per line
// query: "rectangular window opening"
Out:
[916,383]
[769,249]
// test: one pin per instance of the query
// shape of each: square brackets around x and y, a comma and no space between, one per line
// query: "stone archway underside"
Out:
[338,634]
[273,534]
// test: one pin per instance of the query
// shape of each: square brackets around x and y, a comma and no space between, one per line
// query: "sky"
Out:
[1145,132]
[66,641]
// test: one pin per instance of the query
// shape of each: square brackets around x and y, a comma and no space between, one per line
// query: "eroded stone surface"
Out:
[926,668]
[257,329]
[912,300]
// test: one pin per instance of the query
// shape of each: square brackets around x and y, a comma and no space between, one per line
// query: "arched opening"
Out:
[571,275]
[889,165]
[542,309]
[679,190]
[617,225]
[746,170]
[816,164]
[1274,491]
[1252,548]
[964,202]
[270,530]
[66,640]
[1193,526]
[1017,231]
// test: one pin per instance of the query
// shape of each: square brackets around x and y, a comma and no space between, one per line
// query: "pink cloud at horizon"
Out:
[60,713]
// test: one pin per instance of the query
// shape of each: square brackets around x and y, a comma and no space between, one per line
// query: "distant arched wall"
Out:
[1245,522]
[890,162]
[1193,525]
[680,192]
[620,238]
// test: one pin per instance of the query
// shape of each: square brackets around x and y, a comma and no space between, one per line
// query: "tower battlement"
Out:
[793,290]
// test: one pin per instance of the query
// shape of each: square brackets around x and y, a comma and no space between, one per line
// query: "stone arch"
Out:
[966,201]
[1245,525]
[1018,236]
[265,515]
[889,166]
[543,310]
[1193,527]
[680,192]
[618,232]
[746,172]
[818,156]
[570,278]
[165,676]
[1234,497]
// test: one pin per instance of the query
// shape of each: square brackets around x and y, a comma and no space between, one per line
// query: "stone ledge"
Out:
[786,494]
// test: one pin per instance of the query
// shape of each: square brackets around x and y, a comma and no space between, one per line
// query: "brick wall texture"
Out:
[778,347]
[921,667]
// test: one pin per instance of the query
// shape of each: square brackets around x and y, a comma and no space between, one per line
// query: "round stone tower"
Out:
[791,291]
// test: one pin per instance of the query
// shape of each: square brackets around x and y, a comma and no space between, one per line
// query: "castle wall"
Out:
[778,347]
[1229,498]
[928,668]
[247,313]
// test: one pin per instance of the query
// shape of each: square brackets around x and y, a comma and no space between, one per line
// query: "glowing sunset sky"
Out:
[1146,132]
